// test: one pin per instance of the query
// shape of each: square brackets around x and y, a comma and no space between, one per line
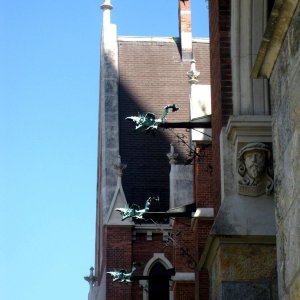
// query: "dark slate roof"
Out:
[152,75]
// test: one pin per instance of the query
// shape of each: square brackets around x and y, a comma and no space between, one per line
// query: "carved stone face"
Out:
[255,162]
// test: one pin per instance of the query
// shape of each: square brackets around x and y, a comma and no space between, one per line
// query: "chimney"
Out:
[185,29]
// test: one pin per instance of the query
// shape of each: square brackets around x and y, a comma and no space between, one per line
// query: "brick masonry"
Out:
[221,84]
[203,193]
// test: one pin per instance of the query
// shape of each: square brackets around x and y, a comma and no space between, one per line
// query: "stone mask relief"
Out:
[255,170]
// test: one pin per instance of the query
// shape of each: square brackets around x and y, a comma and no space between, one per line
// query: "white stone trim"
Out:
[186,41]
[184,276]
[204,213]
[119,201]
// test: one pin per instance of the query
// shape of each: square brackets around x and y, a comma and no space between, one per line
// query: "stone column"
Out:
[181,182]
[248,21]
[108,142]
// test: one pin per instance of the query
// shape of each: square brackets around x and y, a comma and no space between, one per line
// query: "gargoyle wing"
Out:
[114,275]
[134,119]
[137,120]
[125,212]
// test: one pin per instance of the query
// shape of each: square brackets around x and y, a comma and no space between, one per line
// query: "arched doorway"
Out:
[159,284]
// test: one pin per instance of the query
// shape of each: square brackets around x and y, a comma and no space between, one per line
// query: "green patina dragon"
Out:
[134,211]
[149,121]
[123,275]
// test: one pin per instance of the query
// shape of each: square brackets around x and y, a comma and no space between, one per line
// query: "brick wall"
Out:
[203,193]
[184,249]
[221,85]
[184,291]
[142,252]
[118,256]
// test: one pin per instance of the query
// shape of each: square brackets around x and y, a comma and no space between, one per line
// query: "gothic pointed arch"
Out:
[157,289]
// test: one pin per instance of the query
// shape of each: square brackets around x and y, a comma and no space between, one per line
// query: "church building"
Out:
[152,168]
[198,162]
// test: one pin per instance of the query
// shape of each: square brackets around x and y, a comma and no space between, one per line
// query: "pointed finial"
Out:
[91,279]
[193,73]
[106,5]
[172,155]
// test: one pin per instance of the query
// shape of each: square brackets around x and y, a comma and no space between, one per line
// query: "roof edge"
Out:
[159,39]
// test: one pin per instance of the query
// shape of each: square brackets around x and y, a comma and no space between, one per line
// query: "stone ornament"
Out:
[172,155]
[255,170]
[193,74]
[91,279]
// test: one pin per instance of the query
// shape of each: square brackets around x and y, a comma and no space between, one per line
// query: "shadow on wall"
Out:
[151,76]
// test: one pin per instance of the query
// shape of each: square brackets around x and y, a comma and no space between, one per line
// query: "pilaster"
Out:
[248,21]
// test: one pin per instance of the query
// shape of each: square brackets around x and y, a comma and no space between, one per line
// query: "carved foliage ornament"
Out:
[255,170]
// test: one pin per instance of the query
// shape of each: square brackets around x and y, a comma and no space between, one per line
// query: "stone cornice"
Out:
[248,126]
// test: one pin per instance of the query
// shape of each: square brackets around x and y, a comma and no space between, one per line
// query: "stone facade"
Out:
[264,44]
[237,263]
[240,253]
[285,97]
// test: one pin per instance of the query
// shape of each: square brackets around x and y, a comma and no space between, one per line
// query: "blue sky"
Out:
[49,74]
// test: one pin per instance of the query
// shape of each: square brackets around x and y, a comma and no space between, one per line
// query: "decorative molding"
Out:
[249,127]
[106,5]
[149,229]
[277,27]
